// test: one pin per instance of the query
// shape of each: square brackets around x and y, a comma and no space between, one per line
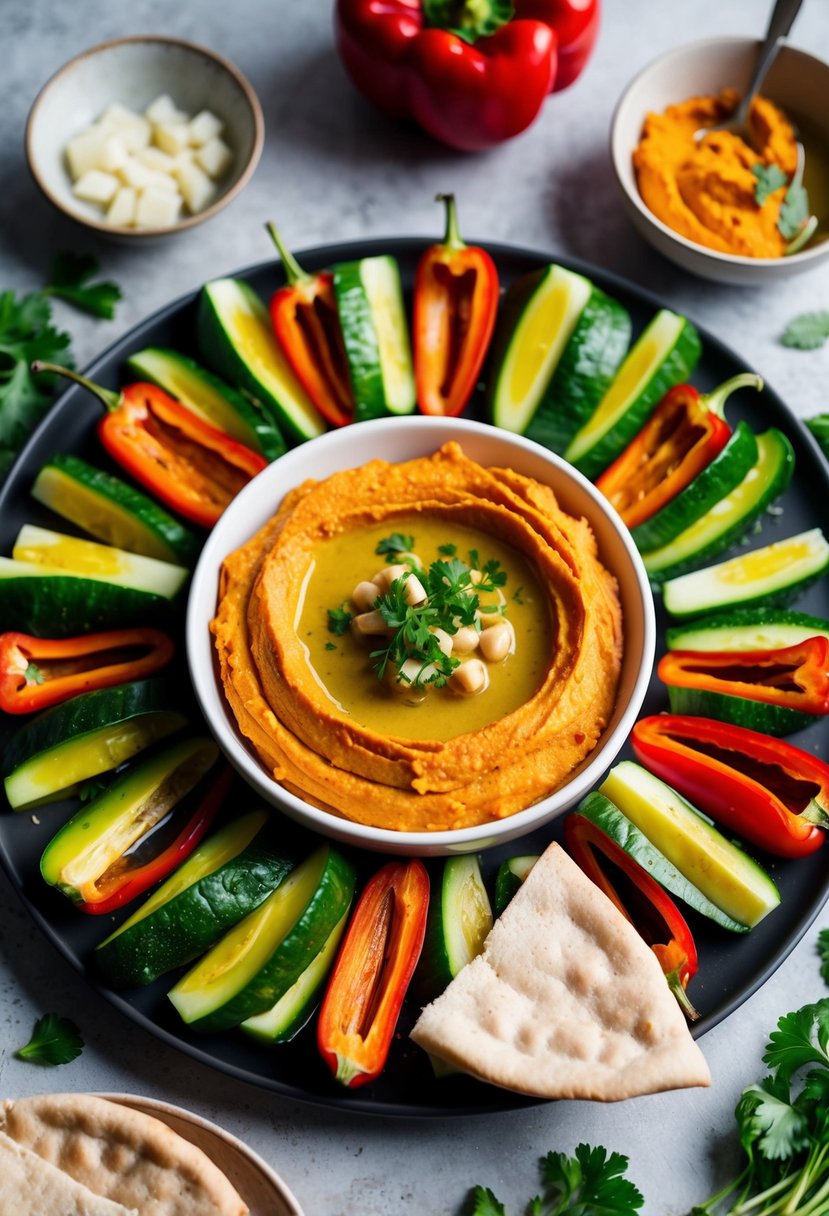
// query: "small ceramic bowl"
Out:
[134,71]
[797,81]
[395,440]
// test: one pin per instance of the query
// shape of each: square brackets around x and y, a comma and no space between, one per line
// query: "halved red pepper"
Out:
[766,790]
[307,326]
[38,672]
[647,906]
[374,967]
[683,435]
[455,305]
[188,464]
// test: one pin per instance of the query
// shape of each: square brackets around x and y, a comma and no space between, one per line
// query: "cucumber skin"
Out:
[742,618]
[360,341]
[58,606]
[588,363]
[82,714]
[274,979]
[675,369]
[183,544]
[265,438]
[725,472]
[774,720]
[616,825]
[193,921]
[735,533]
[434,970]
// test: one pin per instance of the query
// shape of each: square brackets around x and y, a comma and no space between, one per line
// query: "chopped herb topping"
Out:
[330,645]
[339,620]
[769,179]
[396,543]
[518,595]
[448,550]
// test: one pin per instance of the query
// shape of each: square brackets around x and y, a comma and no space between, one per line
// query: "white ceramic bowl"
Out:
[395,440]
[797,81]
[134,71]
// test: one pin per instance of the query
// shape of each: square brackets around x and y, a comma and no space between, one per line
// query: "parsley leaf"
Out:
[55,1040]
[807,331]
[589,1184]
[823,951]
[396,543]
[820,429]
[800,1038]
[69,279]
[448,551]
[769,1119]
[339,620]
[330,646]
[794,212]
[484,1203]
[769,179]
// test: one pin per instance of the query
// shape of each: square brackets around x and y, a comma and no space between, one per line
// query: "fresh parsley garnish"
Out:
[518,595]
[339,620]
[769,178]
[33,674]
[69,279]
[794,211]
[447,550]
[591,1183]
[819,427]
[474,559]
[807,331]
[55,1040]
[330,646]
[396,543]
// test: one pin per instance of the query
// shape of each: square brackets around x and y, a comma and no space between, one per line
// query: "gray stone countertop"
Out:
[334,170]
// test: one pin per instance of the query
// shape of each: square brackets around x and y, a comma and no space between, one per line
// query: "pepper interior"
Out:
[794,792]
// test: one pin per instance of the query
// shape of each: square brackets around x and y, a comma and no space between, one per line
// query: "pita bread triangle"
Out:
[566,1000]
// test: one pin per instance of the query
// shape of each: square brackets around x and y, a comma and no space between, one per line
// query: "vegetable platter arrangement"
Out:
[103,516]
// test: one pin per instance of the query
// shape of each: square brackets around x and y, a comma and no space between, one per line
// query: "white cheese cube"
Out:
[171,138]
[196,187]
[157,208]
[164,110]
[157,160]
[85,151]
[204,127]
[215,157]
[95,186]
[121,211]
[135,173]
[114,154]
[132,128]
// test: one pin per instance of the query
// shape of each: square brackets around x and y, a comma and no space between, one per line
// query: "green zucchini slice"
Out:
[375,336]
[460,917]
[510,876]
[235,337]
[741,711]
[255,964]
[54,604]
[209,397]
[112,511]
[49,757]
[55,551]
[748,629]
[224,879]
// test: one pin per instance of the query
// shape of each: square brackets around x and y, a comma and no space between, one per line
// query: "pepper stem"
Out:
[677,988]
[452,236]
[108,397]
[715,400]
[293,271]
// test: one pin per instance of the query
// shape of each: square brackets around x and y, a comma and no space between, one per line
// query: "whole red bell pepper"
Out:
[472,73]
[307,327]
[373,970]
[648,907]
[453,316]
[188,464]
[768,791]
[38,672]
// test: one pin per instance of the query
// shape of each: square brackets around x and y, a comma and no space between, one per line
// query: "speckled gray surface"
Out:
[333,170]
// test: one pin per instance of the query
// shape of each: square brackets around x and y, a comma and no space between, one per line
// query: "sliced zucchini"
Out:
[725,472]
[460,917]
[92,733]
[53,604]
[732,880]
[209,397]
[236,338]
[255,964]
[664,355]
[537,318]
[375,336]
[767,719]
[87,559]
[748,629]
[729,519]
[284,1020]
[112,511]
[224,879]
[511,874]
[773,575]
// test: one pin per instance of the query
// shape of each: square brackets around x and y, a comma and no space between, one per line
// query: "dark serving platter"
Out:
[731,966]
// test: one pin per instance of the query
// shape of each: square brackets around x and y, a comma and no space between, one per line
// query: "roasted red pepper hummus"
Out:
[320,752]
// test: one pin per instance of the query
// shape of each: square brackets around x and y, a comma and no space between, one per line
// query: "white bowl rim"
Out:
[206,683]
[190,221]
[727,259]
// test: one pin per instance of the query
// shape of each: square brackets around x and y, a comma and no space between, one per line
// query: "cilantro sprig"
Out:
[396,543]
[807,331]
[55,1040]
[591,1183]
[69,280]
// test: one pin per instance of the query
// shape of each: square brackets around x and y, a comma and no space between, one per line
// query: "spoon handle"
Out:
[780,22]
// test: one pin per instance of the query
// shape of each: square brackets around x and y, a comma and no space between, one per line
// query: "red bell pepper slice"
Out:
[38,672]
[768,791]
[188,464]
[374,967]
[795,677]
[683,435]
[455,305]
[307,326]
[131,876]
[648,907]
